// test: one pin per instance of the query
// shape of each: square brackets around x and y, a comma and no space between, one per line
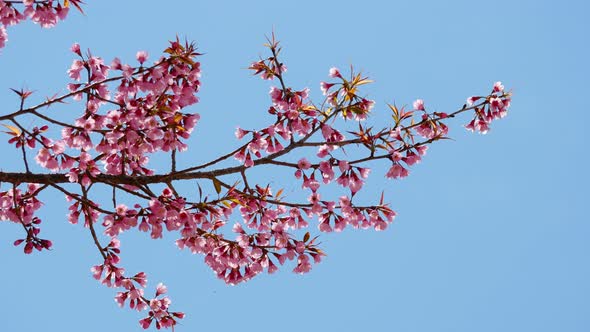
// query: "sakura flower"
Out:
[419,105]
[190,121]
[354,183]
[248,162]
[422,149]
[327,171]
[45,159]
[141,56]
[396,155]
[310,183]
[276,95]
[121,209]
[496,104]
[74,71]
[324,150]
[377,221]
[364,172]
[97,271]
[498,87]
[240,155]
[397,171]
[411,158]
[324,86]
[76,49]
[62,12]
[481,126]
[146,322]
[161,289]
[396,133]
[120,298]
[366,106]
[45,16]
[339,224]
[470,126]
[325,227]
[304,164]
[334,72]
[426,129]
[303,265]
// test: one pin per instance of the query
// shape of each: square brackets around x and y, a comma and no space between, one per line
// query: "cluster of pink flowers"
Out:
[293,116]
[148,117]
[356,107]
[495,107]
[113,276]
[45,13]
[158,311]
[376,217]
[397,170]
[234,261]
[20,207]
[350,176]
[145,116]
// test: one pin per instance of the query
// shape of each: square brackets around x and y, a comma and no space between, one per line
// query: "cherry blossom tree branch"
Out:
[140,111]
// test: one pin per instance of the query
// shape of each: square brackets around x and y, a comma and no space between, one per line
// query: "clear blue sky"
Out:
[492,232]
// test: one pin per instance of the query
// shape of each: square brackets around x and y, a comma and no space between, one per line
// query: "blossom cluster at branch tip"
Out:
[495,106]
[45,13]
[20,207]
[134,293]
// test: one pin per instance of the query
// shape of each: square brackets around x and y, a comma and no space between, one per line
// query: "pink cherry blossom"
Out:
[498,87]
[141,56]
[334,72]
[240,133]
[74,71]
[496,104]
[327,172]
[303,164]
[481,126]
[311,183]
[343,165]
[161,289]
[397,171]
[76,49]
[324,86]
[422,149]
[419,105]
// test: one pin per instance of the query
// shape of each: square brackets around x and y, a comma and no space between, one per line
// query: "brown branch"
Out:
[87,214]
